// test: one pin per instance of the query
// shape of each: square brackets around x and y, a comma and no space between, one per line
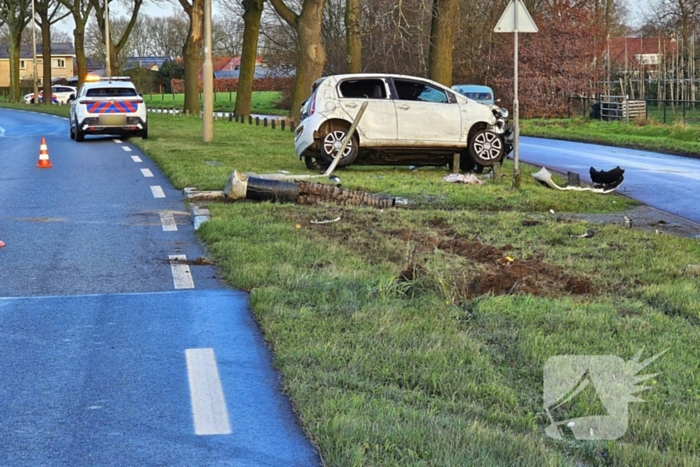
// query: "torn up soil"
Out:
[500,273]
[470,269]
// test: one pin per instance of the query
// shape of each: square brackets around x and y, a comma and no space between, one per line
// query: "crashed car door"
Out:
[378,123]
[426,114]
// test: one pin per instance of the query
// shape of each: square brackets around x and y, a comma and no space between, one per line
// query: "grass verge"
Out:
[419,336]
[678,138]
[264,102]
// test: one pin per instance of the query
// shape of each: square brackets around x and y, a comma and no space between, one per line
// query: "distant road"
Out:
[669,183]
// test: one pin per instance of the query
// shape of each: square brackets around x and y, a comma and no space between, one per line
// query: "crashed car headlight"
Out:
[499,112]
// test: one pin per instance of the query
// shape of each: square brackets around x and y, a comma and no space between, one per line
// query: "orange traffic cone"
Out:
[2,244]
[44,162]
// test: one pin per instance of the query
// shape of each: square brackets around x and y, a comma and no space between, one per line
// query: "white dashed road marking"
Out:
[136,159]
[168,222]
[206,394]
[147,173]
[182,277]
[157,191]
[126,148]
[118,141]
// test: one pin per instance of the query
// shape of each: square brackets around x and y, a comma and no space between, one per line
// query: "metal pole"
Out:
[108,66]
[36,85]
[208,78]
[516,110]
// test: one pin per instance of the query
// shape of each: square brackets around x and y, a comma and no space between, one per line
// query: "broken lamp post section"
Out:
[242,186]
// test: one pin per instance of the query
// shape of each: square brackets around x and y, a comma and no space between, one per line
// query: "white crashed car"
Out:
[109,106]
[408,121]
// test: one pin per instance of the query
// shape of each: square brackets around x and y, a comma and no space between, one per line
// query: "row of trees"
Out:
[446,40]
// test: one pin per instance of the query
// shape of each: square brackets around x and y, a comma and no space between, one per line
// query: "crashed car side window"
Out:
[365,88]
[417,91]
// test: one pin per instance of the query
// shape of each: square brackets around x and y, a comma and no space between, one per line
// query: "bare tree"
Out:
[334,37]
[168,35]
[49,12]
[192,53]
[227,35]
[397,36]
[252,14]
[312,55]
[353,33]
[115,48]
[442,40]
[15,14]
[80,10]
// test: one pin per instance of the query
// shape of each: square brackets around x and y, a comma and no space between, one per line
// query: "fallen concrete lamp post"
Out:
[294,188]
[242,186]
[545,177]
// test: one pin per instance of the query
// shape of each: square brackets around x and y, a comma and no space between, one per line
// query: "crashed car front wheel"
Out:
[486,148]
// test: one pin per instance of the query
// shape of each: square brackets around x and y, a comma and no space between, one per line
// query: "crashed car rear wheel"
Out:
[331,142]
[486,148]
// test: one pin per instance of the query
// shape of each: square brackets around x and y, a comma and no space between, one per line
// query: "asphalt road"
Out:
[663,181]
[113,355]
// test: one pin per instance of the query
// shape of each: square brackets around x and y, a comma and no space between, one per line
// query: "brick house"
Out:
[635,53]
[62,58]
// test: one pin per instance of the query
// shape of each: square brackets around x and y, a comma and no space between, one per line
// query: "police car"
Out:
[108,106]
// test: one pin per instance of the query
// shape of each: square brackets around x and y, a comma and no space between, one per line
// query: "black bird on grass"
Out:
[608,179]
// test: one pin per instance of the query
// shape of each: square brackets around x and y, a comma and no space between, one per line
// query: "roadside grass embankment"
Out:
[264,102]
[677,138]
[418,336]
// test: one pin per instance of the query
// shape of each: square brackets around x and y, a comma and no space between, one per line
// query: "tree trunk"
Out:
[46,57]
[442,41]
[192,55]
[251,18]
[13,49]
[80,10]
[353,36]
[310,60]
[15,16]
[311,56]
[79,43]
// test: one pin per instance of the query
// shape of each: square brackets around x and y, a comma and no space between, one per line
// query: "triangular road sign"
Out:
[508,22]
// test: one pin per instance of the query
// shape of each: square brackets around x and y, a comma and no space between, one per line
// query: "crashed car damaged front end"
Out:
[503,128]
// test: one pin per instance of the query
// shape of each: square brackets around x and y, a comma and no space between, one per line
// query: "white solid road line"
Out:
[147,173]
[136,159]
[168,221]
[126,148]
[157,191]
[206,394]
[182,277]
[118,141]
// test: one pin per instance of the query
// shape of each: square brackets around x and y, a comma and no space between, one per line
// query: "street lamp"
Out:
[36,86]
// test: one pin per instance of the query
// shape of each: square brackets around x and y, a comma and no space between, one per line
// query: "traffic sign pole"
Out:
[516,19]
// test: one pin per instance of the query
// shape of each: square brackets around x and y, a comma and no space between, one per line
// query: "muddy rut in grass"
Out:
[474,268]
